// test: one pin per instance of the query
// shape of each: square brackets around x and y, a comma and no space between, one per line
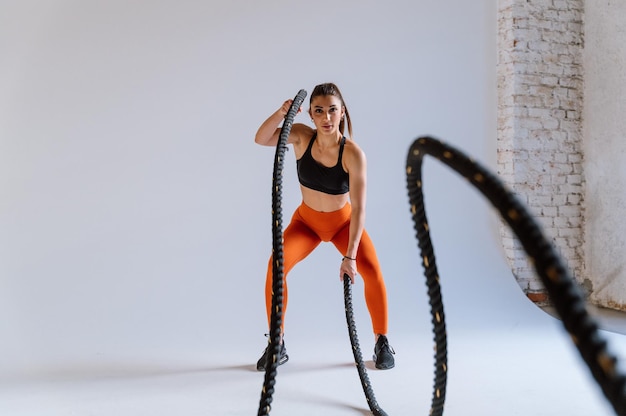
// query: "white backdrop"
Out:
[135,206]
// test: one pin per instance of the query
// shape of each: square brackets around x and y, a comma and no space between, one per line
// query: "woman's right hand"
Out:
[267,134]
[284,109]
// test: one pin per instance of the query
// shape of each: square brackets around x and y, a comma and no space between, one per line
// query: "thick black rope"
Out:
[277,257]
[356,350]
[563,291]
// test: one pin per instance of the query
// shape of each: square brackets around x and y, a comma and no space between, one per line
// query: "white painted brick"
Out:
[575,179]
[574,199]
[549,212]
[535,284]
[539,200]
[539,112]
[559,199]
[563,170]
[561,222]
[569,211]
[561,158]
[550,124]
[568,232]
[571,189]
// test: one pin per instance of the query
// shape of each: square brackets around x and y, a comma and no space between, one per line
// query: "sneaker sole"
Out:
[282,361]
[382,367]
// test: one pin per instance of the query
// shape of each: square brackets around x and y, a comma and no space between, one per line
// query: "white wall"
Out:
[135,207]
[605,151]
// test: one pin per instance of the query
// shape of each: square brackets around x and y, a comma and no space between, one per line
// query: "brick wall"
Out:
[540,87]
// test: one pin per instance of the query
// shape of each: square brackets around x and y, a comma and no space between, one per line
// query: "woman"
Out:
[332,175]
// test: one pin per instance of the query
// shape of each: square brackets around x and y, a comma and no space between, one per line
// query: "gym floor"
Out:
[518,362]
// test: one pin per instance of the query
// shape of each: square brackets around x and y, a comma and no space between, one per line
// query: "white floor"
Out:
[512,361]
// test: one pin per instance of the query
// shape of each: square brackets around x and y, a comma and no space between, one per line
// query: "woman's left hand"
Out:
[347,267]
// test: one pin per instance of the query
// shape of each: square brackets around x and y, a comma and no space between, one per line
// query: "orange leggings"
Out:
[305,232]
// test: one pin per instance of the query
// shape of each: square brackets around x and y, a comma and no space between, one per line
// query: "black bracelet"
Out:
[349,258]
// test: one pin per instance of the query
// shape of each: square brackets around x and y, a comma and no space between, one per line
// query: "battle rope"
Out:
[356,349]
[564,293]
[277,257]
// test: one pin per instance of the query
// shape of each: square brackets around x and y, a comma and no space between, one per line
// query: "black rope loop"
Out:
[277,257]
[356,349]
[556,278]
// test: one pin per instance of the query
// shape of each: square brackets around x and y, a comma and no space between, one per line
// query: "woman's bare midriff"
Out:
[322,202]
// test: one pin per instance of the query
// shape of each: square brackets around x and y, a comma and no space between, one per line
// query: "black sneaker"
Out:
[282,357]
[383,354]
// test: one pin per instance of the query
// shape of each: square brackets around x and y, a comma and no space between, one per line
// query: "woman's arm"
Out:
[268,133]
[356,166]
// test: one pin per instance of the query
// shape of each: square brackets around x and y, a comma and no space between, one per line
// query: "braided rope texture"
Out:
[563,291]
[277,256]
[356,350]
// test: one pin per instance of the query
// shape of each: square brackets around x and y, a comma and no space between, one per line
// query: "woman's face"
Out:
[326,112]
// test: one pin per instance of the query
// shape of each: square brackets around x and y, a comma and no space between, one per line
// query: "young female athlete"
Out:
[332,174]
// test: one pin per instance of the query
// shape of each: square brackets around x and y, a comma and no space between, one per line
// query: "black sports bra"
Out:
[314,175]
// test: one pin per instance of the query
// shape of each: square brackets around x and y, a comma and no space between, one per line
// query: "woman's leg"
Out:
[375,294]
[369,268]
[298,242]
